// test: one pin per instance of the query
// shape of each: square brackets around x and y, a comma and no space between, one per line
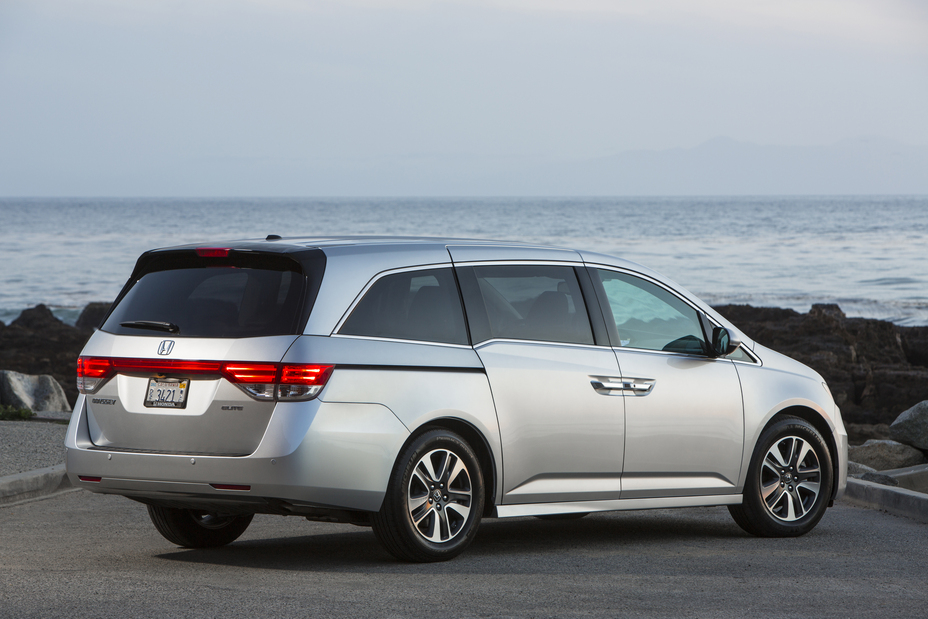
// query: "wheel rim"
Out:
[211,521]
[790,479]
[439,496]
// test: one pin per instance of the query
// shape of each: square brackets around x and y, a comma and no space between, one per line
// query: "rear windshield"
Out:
[224,299]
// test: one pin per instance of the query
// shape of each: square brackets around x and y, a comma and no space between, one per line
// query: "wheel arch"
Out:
[819,423]
[478,443]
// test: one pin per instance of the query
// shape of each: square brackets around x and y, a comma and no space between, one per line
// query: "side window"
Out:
[534,303]
[647,316]
[416,305]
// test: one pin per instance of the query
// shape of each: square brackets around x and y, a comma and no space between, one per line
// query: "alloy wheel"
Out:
[790,478]
[439,496]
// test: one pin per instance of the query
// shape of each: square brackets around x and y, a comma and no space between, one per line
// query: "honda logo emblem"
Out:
[165,347]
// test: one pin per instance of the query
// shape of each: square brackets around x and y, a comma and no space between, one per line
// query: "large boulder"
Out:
[911,427]
[880,478]
[38,343]
[92,316]
[37,393]
[856,469]
[885,455]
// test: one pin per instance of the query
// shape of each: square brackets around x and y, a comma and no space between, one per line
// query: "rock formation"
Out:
[875,369]
[911,427]
[885,455]
[38,343]
[37,393]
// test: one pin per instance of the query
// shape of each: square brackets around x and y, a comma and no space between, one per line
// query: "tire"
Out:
[571,516]
[197,529]
[774,504]
[421,520]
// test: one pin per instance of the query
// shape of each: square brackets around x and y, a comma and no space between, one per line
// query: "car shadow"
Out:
[498,542]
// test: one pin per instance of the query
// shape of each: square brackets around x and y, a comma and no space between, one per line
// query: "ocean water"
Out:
[867,254]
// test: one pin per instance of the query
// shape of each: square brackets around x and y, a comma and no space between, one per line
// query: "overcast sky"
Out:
[162,97]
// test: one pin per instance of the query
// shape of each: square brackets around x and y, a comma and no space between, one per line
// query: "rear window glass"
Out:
[416,305]
[223,301]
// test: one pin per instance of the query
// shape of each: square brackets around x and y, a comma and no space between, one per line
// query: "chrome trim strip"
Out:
[397,341]
[522,262]
[538,342]
[580,507]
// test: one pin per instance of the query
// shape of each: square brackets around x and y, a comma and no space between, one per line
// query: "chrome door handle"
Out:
[637,386]
[640,387]
[608,386]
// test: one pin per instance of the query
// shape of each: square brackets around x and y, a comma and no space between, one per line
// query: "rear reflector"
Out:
[262,381]
[213,252]
[89,478]
[230,487]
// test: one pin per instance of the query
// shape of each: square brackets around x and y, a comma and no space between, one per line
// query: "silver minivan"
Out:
[418,385]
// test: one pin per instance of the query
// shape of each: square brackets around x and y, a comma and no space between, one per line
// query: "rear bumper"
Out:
[313,454]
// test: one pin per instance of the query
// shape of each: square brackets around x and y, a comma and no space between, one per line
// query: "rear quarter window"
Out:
[419,305]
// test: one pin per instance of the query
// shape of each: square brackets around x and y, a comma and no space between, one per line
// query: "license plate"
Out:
[167,393]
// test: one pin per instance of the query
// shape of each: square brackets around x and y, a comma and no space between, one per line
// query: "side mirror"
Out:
[724,342]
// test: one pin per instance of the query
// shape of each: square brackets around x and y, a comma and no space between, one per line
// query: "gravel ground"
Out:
[29,445]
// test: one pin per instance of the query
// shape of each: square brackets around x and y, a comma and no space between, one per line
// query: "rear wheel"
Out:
[192,528]
[789,481]
[434,500]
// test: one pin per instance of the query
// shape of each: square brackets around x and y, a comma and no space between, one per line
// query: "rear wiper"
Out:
[154,325]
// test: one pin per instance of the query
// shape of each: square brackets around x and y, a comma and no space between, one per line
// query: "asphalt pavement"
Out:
[30,445]
[82,555]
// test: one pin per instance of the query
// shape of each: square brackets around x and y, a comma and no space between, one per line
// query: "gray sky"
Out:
[240,97]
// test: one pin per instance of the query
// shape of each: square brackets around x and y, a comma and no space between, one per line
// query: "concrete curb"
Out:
[896,501]
[32,484]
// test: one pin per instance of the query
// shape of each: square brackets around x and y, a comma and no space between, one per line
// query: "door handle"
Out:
[607,386]
[637,386]
[640,386]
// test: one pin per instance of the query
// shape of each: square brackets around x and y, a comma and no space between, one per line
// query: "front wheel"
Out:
[434,500]
[789,481]
[192,528]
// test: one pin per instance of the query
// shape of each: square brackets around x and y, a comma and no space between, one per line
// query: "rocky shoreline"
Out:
[38,343]
[875,369]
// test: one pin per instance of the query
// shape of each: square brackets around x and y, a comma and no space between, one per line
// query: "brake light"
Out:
[213,252]
[262,381]
[92,372]
[256,379]
[302,382]
[165,366]
[250,372]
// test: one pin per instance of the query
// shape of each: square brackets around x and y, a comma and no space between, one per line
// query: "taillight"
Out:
[92,372]
[262,381]
[256,379]
[302,382]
